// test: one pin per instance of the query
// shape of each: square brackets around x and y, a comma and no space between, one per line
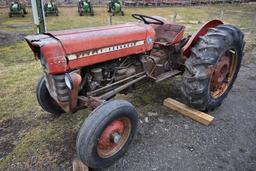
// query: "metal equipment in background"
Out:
[85,8]
[17,8]
[115,7]
[51,8]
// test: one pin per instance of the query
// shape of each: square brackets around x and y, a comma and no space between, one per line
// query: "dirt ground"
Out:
[31,139]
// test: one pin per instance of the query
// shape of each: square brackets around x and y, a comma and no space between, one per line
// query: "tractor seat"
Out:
[169,33]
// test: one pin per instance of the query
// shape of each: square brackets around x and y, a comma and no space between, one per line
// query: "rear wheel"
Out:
[10,14]
[45,100]
[213,67]
[122,13]
[106,133]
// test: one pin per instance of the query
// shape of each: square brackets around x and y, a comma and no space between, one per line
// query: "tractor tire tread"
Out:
[203,56]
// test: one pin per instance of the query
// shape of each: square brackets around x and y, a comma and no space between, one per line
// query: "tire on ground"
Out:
[204,57]
[93,127]
[45,100]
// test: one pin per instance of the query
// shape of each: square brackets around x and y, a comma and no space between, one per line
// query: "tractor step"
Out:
[167,75]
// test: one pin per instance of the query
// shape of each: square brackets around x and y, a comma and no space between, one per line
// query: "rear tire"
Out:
[95,142]
[45,100]
[199,88]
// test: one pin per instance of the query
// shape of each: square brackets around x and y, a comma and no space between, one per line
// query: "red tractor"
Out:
[87,67]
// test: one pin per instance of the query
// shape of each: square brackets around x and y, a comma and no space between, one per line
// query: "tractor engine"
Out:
[110,72]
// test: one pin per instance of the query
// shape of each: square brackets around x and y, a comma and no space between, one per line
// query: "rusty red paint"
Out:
[171,33]
[106,139]
[76,79]
[201,31]
[220,72]
[61,44]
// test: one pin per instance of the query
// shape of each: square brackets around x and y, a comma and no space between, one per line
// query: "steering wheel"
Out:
[144,19]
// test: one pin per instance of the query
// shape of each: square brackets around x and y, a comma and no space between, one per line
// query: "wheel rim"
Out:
[223,73]
[114,137]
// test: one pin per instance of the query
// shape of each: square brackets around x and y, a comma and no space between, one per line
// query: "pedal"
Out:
[166,75]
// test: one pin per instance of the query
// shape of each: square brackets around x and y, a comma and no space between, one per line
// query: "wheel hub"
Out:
[111,135]
[114,137]
[221,72]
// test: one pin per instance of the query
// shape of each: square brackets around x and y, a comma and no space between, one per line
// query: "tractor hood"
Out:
[71,49]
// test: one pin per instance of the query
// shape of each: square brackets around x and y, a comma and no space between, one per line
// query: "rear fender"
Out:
[200,32]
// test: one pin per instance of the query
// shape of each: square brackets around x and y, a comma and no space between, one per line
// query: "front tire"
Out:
[106,134]
[45,100]
[213,67]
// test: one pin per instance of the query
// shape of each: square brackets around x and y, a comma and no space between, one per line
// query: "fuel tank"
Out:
[66,50]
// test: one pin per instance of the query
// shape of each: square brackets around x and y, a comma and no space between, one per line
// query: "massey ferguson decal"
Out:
[105,50]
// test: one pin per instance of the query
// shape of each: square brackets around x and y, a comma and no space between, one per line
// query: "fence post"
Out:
[174,17]
[110,19]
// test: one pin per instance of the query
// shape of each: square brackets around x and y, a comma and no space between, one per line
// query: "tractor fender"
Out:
[200,32]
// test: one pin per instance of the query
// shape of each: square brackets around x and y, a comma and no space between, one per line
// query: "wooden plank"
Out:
[188,111]
[79,166]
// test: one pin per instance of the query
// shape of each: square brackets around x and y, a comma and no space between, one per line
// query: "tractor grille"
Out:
[61,89]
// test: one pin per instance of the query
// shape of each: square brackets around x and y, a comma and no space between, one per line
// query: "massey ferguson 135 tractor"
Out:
[87,67]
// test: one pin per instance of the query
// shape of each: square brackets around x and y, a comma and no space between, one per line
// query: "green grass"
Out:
[39,138]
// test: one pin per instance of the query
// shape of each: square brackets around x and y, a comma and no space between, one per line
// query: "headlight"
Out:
[68,81]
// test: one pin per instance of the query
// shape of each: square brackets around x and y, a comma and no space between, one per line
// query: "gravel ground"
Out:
[170,141]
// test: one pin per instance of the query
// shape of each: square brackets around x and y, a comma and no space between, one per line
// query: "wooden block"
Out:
[79,166]
[188,111]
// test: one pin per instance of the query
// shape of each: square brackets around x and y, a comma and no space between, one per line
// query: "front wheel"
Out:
[213,67]
[45,100]
[106,134]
